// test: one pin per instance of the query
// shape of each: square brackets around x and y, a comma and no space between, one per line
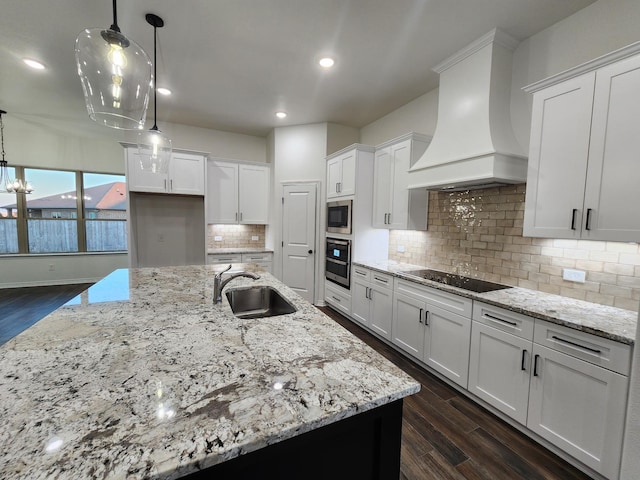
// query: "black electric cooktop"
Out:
[466,283]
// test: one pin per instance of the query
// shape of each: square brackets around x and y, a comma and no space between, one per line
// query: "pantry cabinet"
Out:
[372,300]
[582,173]
[185,175]
[237,193]
[394,205]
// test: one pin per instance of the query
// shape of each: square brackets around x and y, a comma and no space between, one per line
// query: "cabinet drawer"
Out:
[216,258]
[600,351]
[361,273]
[505,320]
[257,257]
[381,279]
[337,298]
[447,301]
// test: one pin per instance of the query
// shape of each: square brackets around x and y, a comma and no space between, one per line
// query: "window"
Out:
[8,221]
[67,212]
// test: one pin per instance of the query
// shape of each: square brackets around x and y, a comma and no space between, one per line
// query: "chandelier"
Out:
[7,184]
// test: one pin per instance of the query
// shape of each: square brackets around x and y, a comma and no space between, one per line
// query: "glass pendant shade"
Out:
[116,75]
[154,148]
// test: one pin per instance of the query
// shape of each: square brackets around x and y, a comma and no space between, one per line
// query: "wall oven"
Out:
[339,217]
[338,261]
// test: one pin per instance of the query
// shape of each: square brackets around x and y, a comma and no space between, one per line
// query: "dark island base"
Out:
[365,446]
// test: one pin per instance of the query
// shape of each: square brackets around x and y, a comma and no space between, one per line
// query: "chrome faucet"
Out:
[219,284]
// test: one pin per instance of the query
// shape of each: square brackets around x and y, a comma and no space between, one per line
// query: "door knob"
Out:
[310,252]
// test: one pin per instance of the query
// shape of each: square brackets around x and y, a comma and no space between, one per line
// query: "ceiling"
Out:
[231,64]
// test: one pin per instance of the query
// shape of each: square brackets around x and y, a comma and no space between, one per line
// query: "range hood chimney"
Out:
[473,145]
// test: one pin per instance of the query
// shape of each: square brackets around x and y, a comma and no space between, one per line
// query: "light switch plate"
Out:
[255,238]
[217,238]
[574,275]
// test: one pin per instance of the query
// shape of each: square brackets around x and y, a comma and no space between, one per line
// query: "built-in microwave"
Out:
[339,217]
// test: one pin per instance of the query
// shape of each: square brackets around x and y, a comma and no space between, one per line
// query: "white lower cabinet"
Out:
[372,300]
[553,380]
[433,326]
[337,297]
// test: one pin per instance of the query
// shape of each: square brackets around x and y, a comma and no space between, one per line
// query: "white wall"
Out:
[37,142]
[418,116]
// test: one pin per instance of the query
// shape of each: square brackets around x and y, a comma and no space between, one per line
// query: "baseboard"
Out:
[46,283]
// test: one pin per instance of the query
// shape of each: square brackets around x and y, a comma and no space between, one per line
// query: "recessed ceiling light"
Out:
[326,62]
[164,91]
[33,64]
[281,114]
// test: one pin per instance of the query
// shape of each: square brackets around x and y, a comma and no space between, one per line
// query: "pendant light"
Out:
[7,184]
[154,146]
[116,76]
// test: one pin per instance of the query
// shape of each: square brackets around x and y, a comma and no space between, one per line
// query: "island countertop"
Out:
[142,376]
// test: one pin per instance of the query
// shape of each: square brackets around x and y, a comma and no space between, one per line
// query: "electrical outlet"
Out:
[217,238]
[574,275]
[52,267]
[401,248]
[255,238]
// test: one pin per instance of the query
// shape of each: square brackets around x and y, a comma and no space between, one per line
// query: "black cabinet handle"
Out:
[426,318]
[575,344]
[535,365]
[420,317]
[513,324]
[573,218]
[524,354]
[588,224]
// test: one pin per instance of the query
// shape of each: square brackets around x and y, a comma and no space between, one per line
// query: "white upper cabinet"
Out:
[185,176]
[583,172]
[395,206]
[341,174]
[237,193]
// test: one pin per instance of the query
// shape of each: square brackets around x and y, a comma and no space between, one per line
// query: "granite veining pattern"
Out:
[607,322]
[142,376]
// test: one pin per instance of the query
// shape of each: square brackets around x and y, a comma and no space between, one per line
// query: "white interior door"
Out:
[299,238]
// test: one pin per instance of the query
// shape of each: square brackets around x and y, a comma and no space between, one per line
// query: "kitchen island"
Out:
[142,376]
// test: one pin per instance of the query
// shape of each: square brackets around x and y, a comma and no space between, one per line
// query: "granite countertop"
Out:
[239,250]
[142,376]
[607,322]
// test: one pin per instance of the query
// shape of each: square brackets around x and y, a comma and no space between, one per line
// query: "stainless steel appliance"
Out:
[339,217]
[338,261]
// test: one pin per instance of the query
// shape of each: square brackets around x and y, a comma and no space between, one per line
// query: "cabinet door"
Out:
[254,194]
[560,130]
[348,174]
[381,300]
[143,181]
[383,187]
[407,329]
[499,367]
[446,344]
[186,174]
[401,157]
[579,407]
[613,175]
[360,304]
[334,177]
[222,192]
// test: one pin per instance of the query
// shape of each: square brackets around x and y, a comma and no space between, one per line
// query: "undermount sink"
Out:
[258,302]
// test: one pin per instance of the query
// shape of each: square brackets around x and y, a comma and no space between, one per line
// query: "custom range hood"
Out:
[473,145]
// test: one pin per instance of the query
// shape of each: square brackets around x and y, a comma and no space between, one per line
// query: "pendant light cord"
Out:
[115,27]
[2,136]
[155,79]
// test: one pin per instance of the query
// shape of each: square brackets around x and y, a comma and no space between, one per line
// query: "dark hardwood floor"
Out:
[447,436]
[22,307]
